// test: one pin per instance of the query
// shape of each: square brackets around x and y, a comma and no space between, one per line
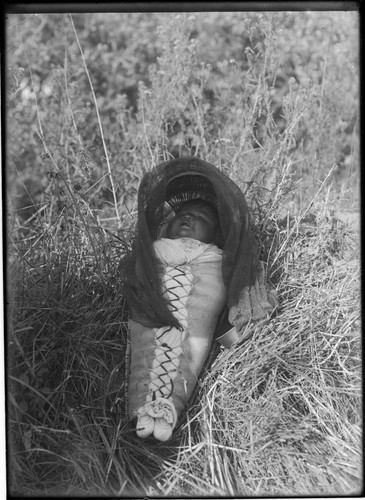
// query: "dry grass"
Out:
[283,407]
[279,414]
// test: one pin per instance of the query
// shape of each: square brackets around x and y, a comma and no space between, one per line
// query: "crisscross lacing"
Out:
[177,283]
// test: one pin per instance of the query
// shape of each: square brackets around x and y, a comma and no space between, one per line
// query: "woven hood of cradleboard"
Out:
[163,190]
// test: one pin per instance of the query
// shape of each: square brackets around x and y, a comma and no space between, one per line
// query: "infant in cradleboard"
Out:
[193,285]
[190,253]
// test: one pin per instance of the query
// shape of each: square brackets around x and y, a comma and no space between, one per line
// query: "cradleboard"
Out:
[178,291]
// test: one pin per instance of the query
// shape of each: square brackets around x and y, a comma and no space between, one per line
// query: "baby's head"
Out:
[195,219]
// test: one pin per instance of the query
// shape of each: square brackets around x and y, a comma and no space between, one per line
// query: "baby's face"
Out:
[194,219]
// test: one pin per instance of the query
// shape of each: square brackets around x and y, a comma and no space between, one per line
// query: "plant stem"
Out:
[99,122]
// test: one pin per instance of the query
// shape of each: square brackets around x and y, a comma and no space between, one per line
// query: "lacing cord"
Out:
[166,362]
[177,285]
[158,415]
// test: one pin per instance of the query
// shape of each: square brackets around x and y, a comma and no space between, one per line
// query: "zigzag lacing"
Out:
[177,282]
[158,415]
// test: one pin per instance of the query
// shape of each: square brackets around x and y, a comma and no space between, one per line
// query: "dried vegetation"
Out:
[279,414]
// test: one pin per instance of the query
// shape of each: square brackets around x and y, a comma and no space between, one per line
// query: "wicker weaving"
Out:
[183,292]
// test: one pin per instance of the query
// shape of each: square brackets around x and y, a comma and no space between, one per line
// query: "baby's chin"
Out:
[186,232]
[181,236]
[182,232]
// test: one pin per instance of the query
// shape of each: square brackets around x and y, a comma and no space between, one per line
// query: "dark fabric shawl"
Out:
[164,188]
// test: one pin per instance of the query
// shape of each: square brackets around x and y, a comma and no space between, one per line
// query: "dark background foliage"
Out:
[203,79]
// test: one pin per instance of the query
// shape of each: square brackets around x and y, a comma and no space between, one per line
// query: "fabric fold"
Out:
[255,302]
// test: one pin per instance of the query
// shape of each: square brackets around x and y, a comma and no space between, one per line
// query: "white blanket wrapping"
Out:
[186,250]
[166,362]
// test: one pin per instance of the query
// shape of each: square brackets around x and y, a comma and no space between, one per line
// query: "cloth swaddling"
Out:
[167,361]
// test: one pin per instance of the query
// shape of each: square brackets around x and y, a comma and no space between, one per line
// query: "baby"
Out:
[196,219]
[167,361]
